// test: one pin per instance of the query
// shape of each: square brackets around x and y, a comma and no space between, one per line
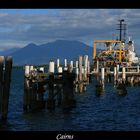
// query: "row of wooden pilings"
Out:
[122,76]
[5,79]
[60,83]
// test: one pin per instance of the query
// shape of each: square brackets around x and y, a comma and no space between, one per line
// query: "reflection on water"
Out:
[106,112]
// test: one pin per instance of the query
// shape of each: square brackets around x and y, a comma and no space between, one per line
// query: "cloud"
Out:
[76,24]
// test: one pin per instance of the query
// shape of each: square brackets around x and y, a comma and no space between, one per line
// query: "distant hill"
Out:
[42,54]
[9,51]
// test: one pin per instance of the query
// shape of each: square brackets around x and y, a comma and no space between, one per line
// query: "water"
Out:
[107,112]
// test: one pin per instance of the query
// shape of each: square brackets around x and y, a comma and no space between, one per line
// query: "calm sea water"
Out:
[107,112]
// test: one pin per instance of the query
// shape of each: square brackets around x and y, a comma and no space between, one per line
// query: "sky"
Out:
[19,27]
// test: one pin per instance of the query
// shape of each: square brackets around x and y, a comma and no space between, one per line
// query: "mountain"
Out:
[9,51]
[42,54]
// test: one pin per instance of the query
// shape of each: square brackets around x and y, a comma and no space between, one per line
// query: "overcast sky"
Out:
[21,27]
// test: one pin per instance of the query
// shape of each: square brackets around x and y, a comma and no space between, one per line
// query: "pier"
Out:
[60,83]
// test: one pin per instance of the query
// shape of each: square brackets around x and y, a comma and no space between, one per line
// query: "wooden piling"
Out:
[51,67]
[26,88]
[65,64]
[85,68]
[97,67]
[1,79]
[6,87]
[76,64]
[118,68]
[68,88]
[71,66]
[80,75]
[115,75]
[102,76]
[123,74]
[50,100]
[58,63]
[60,70]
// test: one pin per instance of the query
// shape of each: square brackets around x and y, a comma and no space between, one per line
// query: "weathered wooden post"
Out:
[80,75]
[50,100]
[71,66]
[115,75]
[58,63]
[60,70]
[97,68]
[40,87]
[123,74]
[102,76]
[6,87]
[108,74]
[59,87]
[30,89]
[132,81]
[88,71]
[26,96]
[65,64]
[1,79]
[76,64]
[85,67]
[88,68]
[121,87]
[68,87]
[76,79]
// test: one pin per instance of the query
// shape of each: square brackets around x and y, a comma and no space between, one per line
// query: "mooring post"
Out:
[50,100]
[26,88]
[123,74]
[1,79]
[118,68]
[76,79]
[60,70]
[59,87]
[40,84]
[85,67]
[65,64]
[30,94]
[102,76]
[71,66]
[80,68]
[58,63]
[6,87]
[80,75]
[76,64]
[97,68]
[88,73]
[100,86]
[115,75]
[68,86]
[132,81]
[38,91]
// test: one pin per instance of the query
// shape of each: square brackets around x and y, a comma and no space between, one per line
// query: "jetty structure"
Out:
[117,61]
[60,82]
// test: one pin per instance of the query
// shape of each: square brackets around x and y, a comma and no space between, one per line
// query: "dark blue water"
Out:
[107,112]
